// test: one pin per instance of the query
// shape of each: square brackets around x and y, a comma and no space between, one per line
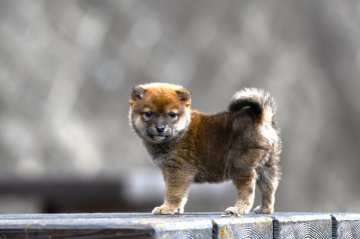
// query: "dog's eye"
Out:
[148,114]
[173,115]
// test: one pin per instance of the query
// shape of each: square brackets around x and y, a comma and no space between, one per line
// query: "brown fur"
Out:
[240,144]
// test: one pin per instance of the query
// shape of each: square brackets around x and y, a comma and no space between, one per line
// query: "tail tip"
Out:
[261,98]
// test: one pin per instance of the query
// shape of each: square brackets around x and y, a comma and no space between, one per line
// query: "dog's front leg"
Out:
[177,183]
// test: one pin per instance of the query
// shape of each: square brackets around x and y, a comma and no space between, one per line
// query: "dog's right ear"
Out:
[137,93]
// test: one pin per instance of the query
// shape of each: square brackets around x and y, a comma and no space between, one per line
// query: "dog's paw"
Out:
[262,210]
[165,209]
[231,211]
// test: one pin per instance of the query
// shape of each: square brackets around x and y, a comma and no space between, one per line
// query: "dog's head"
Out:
[159,112]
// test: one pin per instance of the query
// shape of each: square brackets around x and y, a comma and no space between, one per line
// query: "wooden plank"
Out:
[346,225]
[141,233]
[192,225]
[180,228]
[71,226]
[302,225]
[104,226]
[247,226]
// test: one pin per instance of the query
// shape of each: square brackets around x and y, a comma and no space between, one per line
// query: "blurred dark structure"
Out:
[66,68]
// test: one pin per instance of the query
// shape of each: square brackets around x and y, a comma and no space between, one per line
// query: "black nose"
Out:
[160,128]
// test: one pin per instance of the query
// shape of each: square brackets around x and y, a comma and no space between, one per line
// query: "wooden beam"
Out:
[192,225]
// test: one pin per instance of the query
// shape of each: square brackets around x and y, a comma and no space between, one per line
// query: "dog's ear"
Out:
[184,95]
[137,93]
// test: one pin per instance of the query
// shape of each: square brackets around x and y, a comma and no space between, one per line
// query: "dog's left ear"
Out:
[137,93]
[185,96]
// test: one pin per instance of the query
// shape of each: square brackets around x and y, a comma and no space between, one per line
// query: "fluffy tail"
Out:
[261,104]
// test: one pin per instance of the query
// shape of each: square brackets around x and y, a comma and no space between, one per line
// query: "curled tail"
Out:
[261,104]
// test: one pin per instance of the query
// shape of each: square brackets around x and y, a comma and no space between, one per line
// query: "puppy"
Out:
[241,144]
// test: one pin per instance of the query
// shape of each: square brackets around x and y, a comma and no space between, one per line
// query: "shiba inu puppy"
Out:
[241,144]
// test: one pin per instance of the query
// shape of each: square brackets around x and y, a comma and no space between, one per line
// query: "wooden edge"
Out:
[196,225]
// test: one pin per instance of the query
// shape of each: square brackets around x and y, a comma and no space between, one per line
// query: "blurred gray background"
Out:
[67,67]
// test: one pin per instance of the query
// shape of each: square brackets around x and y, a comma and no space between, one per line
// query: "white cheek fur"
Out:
[183,122]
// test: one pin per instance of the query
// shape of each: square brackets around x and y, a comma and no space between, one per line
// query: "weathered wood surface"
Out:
[107,225]
[346,225]
[249,226]
[195,225]
[302,225]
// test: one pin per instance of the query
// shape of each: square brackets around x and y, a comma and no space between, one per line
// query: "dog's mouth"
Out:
[159,138]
